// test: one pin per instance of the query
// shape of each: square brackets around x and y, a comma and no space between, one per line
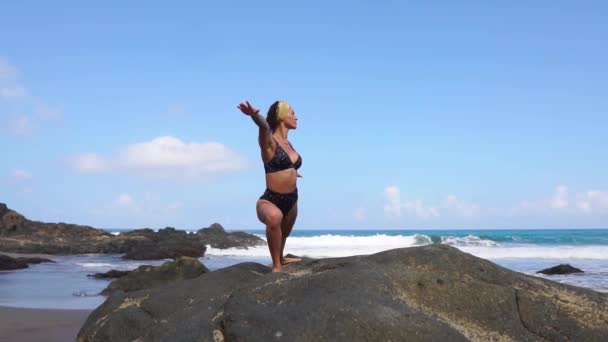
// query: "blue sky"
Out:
[411,115]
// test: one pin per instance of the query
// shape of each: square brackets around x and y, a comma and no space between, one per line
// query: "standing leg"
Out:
[286,227]
[271,216]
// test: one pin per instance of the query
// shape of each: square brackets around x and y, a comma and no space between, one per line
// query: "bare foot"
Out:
[286,261]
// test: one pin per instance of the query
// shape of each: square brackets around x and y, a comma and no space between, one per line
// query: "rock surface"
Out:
[167,243]
[111,274]
[153,276]
[429,293]
[217,237]
[560,269]
[10,263]
[20,235]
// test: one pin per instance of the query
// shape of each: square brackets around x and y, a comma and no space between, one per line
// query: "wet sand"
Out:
[50,325]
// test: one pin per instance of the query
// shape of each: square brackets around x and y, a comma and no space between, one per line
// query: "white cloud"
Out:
[392,208]
[10,88]
[560,198]
[125,200]
[460,207]
[46,112]
[452,206]
[7,70]
[418,209]
[168,157]
[592,201]
[12,91]
[20,125]
[587,202]
[359,214]
[89,163]
[21,175]
[35,110]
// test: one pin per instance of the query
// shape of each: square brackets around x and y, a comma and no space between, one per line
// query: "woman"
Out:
[277,208]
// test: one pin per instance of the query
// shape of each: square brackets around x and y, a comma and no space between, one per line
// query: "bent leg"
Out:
[271,216]
[286,226]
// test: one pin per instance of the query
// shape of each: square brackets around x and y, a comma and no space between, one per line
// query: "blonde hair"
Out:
[276,113]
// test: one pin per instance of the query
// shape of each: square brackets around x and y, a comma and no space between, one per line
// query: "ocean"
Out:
[65,284]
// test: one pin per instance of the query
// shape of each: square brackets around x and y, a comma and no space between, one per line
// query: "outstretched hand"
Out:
[247,108]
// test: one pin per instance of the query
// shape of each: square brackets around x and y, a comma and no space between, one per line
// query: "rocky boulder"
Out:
[9,263]
[560,269]
[20,235]
[167,243]
[153,276]
[217,237]
[429,293]
[111,274]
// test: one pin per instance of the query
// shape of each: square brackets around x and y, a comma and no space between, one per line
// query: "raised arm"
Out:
[265,135]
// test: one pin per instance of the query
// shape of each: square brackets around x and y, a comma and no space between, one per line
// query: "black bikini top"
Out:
[281,161]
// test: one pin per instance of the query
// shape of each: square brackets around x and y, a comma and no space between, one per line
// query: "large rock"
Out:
[217,237]
[560,269]
[180,311]
[111,274]
[430,293]
[152,276]
[20,235]
[10,263]
[167,243]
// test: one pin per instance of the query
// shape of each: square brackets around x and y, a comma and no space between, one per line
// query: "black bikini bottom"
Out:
[283,201]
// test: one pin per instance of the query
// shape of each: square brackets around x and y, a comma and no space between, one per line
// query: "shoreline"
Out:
[24,325]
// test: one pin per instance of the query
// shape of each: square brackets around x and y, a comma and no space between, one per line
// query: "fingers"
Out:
[247,108]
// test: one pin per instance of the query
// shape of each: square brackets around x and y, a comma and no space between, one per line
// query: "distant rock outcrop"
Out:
[111,274]
[561,269]
[10,263]
[152,276]
[167,243]
[429,293]
[217,237]
[20,235]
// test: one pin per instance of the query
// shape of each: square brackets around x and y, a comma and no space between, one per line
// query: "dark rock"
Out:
[152,276]
[434,292]
[167,243]
[20,235]
[560,269]
[8,263]
[217,237]
[35,260]
[111,274]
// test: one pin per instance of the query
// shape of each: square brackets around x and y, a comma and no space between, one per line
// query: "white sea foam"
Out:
[469,240]
[539,252]
[340,245]
[95,264]
[324,246]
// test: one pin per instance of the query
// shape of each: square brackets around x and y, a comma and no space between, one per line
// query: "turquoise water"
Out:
[576,237]
[65,284]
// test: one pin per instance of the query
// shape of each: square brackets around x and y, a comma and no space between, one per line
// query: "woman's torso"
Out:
[281,168]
